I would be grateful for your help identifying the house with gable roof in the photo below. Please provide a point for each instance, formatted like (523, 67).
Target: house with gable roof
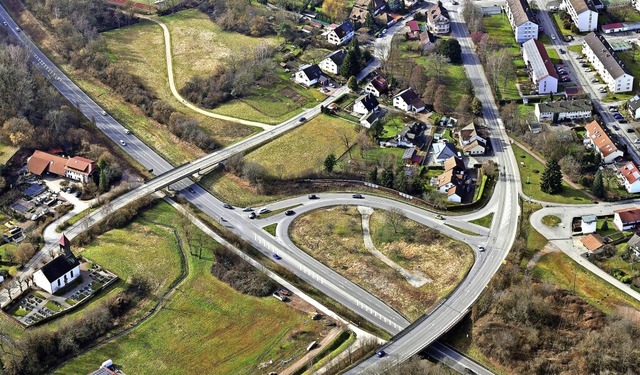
(308, 75)
(365, 104)
(606, 62)
(377, 86)
(599, 139)
(633, 105)
(59, 272)
(76, 168)
(341, 34)
(408, 101)
(438, 19)
(540, 68)
(626, 219)
(471, 142)
(583, 14)
(630, 177)
(521, 20)
(332, 63)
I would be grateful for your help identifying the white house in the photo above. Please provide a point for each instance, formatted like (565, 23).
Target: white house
(377, 86)
(308, 75)
(605, 61)
(634, 105)
(365, 104)
(341, 34)
(599, 139)
(332, 63)
(583, 13)
(630, 176)
(521, 20)
(438, 19)
(408, 101)
(471, 142)
(589, 224)
(76, 168)
(578, 109)
(626, 219)
(59, 272)
(541, 69)
(443, 151)
(370, 118)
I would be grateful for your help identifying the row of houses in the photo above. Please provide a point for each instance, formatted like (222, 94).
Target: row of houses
(606, 62)
(438, 20)
(577, 109)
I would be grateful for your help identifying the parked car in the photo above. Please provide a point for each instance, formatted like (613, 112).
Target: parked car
(618, 116)
(630, 130)
(613, 108)
(602, 90)
(587, 70)
(622, 121)
(595, 80)
(562, 52)
(584, 65)
(615, 127)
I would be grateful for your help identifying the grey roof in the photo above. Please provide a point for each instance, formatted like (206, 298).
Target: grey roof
(589, 218)
(634, 241)
(369, 101)
(345, 28)
(408, 153)
(58, 267)
(581, 6)
(634, 103)
(538, 59)
(607, 56)
(337, 57)
(410, 97)
(521, 11)
(579, 105)
(312, 71)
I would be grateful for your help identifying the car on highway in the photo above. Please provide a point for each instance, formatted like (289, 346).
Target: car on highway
(313, 196)
(104, 113)
(615, 127)
(252, 215)
(247, 209)
(357, 196)
(289, 212)
(227, 205)
(276, 256)
(191, 190)
(17, 29)
(481, 248)
(4, 23)
(553, 37)
(264, 210)
(123, 142)
(439, 217)
(127, 131)
(381, 353)
(302, 119)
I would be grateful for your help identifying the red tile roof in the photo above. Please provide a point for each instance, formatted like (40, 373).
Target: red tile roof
(64, 241)
(592, 242)
(630, 172)
(41, 162)
(81, 165)
(413, 25)
(629, 215)
(600, 139)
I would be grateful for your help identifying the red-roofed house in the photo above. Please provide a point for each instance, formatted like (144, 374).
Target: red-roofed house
(599, 139)
(626, 219)
(630, 176)
(413, 30)
(76, 168)
(612, 28)
(541, 69)
(377, 86)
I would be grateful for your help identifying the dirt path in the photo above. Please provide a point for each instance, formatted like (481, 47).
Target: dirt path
(174, 91)
(548, 248)
(311, 354)
(544, 162)
(416, 279)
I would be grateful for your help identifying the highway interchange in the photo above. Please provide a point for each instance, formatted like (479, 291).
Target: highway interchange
(407, 342)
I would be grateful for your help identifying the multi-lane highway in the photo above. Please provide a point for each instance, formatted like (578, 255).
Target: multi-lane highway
(504, 204)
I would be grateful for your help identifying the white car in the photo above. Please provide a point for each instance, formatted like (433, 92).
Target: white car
(264, 210)
(104, 113)
(481, 248)
(553, 37)
(123, 142)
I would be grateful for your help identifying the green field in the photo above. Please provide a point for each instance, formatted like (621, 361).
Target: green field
(553, 55)
(6, 152)
(207, 325)
(560, 26)
(305, 148)
(484, 221)
(528, 167)
(631, 59)
(500, 31)
(198, 47)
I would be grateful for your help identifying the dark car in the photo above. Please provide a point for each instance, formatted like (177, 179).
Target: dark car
(302, 119)
(584, 65)
(617, 116)
(289, 212)
(381, 354)
(313, 196)
(276, 256)
(616, 127)
(191, 190)
(357, 196)
(622, 121)
(227, 205)
(252, 215)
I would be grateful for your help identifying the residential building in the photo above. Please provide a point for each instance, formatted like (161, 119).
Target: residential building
(365, 104)
(413, 156)
(308, 75)
(413, 135)
(412, 30)
(564, 110)
(442, 151)
(626, 219)
(634, 246)
(607, 63)
(76, 168)
(521, 20)
(59, 272)
(408, 101)
(630, 177)
(471, 142)
(453, 180)
(332, 63)
(633, 105)
(370, 118)
(427, 40)
(588, 224)
(583, 13)
(438, 19)
(592, 242)
(599, 139)
(364, 8)
(341, 34)
(377, 86)
(541, 69)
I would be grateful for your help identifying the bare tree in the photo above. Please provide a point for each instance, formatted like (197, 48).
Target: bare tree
(345, 137)
(364, 141)
(395, 218)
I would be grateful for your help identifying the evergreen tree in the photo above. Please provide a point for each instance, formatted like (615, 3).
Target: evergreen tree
(368, 21)
(352, 83)
(330, 162)
(551, 182)
(476, 106)
(387, 178)
(351, 63)
(401, 182)
(373, 175)
(598, 185)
